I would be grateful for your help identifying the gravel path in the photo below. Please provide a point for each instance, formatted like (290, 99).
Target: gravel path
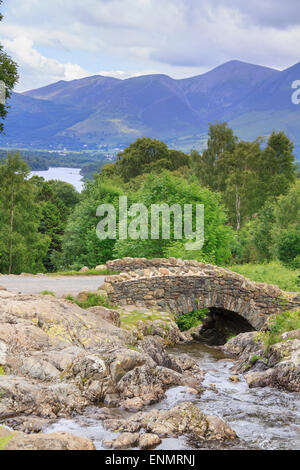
(60, 286)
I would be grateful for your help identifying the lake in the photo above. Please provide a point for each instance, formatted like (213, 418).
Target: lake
(69, 175)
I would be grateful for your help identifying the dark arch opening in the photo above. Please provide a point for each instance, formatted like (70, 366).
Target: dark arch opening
(220, 325)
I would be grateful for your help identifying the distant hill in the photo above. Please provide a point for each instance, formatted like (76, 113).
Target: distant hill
(98, 110)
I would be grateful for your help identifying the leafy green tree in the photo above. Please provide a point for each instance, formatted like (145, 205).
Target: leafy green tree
(52, 226)
(273, 233)
(277, 167)
(221, 140)
(286, 229)
(254, 243)
(288, 246)
(287, 209)
(22, 247)
(246, 175)
(81, 245)
(169, 189)
(65, 197)
(8, 75)
(57, 200)
(145, 156)
(240, 175)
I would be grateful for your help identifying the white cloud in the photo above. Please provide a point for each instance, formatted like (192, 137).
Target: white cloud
(40, 67)
(122, 74)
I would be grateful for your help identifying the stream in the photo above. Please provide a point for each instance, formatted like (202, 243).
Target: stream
(264, 419)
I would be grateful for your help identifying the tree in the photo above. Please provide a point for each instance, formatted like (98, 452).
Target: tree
(274, 232)
(277, 166)
(65, 196)
(169, 189)
(145, 156)
(81, 246)
(246, 175)
(286, 230)
(288, 246)
(22, 247)
(57, 200)
(8, 75)
(240, 176)
(52, 226)
(221, 140)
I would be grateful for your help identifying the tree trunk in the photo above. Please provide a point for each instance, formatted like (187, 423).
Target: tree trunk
(238, 210)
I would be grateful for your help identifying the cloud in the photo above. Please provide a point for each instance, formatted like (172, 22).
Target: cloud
(122, 74)
(177, 37)
(40, 67)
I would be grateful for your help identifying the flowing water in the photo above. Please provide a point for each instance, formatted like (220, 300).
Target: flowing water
(266, 419)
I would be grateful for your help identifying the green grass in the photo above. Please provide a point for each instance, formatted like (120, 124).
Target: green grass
(47, 292)
(272, 273)
(254, 359)
(94, 300)
(4, 441)
(283, 323)
(191, 320)
(2, 370)
(91, 272)
(136, 316)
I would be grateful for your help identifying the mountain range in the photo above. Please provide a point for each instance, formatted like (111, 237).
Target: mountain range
(102, 111)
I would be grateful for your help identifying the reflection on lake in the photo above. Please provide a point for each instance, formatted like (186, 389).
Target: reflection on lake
(69, 175)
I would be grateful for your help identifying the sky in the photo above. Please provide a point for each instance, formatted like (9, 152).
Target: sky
(70, 39)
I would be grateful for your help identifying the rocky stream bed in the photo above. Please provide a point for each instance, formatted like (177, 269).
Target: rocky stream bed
(119, 379)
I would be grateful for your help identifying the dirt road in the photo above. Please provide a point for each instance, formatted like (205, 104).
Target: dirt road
(60, 286)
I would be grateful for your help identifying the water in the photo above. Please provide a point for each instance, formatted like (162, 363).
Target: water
(264, 419)
(68, 175)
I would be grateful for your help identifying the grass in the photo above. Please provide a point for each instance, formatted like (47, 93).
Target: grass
(191, 320)
(91, 272)
(4, 441)
(136, 316)
(272, 273)
(2, 370)
(283, 323)
(93, 300)
(254, 359)
(47, 292)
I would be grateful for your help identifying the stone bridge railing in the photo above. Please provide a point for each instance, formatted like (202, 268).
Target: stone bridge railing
(183, 286)
(137, 264)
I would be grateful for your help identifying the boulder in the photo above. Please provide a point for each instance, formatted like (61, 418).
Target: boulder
(149, 441)
(126, 441)
(82, 297)
(185, 419)
(102, 267)
(277, 366)
(85, 269)
(111, 316)
(49, 442)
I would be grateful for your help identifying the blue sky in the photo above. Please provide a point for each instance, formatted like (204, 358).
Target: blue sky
(68, 39)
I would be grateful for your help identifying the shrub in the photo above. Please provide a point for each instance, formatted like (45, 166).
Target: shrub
(288, 246)
(93, 300)
(46, 292)
(191, 320)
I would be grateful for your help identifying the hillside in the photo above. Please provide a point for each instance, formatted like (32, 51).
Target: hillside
(100, 110)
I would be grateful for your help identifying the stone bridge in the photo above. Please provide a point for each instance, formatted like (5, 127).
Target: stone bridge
(184, 286)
